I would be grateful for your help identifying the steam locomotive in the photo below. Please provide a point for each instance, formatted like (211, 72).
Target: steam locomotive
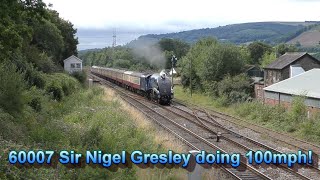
(157, 87)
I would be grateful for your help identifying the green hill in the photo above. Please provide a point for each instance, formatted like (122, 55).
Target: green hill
(270, 32)
(310, 38)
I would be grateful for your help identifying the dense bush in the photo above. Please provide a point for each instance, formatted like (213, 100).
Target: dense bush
(231, 90)
(34, 78)
(298, 110)
(35, 104)
(59, 85)
(294, 120)
(81, 76)
(55, 90)
(12, 89)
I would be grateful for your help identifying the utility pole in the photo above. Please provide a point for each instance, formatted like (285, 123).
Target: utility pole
(114, 43)
(114, 38)
(173, 59)
(190, 73)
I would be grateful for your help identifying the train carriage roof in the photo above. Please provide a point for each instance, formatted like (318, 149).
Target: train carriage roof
(114, 70)
(132, 73)
(136, 74)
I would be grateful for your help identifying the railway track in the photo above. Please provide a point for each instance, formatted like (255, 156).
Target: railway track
(246, 143)
(192, 139)
(200, 142)
(281, 137)
(278, 139)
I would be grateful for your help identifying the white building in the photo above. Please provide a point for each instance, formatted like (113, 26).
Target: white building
(72, 64)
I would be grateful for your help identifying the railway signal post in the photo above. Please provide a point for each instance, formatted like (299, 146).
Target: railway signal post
(173, 61)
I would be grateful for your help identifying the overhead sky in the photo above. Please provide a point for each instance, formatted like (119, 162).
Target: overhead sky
(132, 18)
(175, 15)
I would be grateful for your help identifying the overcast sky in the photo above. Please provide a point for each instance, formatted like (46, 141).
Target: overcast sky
(176, 15)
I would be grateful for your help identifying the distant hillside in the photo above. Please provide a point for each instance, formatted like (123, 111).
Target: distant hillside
(310, 38)
(270, 32)
(82, 52)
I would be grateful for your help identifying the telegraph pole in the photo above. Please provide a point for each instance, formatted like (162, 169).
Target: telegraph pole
(190, 73)
(173, 59)
(114, 42)
(114, 38)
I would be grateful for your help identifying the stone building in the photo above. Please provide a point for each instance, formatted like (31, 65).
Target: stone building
(283, 67)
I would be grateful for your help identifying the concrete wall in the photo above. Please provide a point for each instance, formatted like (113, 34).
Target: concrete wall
(72, 62)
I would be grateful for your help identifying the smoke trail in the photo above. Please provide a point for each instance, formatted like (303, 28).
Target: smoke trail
(150, 51)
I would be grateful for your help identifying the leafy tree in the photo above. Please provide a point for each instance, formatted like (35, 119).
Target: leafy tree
(12, 33)
(268, 58)
(168, 55)
(47, 37)
(121, 63)
(119, 57)
(283, 48)
(211, 61)
(257, 50)
(245, 54)
(68, 33)
(39, 59)
(173, 47)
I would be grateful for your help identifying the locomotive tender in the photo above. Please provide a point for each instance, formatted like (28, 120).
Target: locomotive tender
(157, 87)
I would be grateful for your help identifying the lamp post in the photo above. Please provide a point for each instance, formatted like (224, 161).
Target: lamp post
(173, 59)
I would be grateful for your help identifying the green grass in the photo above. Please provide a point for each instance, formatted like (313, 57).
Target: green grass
(81, 121)
(293, 121)
(197, 98)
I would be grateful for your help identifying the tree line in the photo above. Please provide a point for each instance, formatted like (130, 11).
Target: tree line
(209, 66)
(34, 41)
(219, 69)
(140, 57)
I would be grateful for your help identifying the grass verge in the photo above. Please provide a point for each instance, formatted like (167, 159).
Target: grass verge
(89, 119)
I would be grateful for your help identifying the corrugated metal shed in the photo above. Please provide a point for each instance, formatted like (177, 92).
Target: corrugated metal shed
(307, 84)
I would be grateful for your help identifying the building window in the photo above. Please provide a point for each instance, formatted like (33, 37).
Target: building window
(72, 65)
(78, 65)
